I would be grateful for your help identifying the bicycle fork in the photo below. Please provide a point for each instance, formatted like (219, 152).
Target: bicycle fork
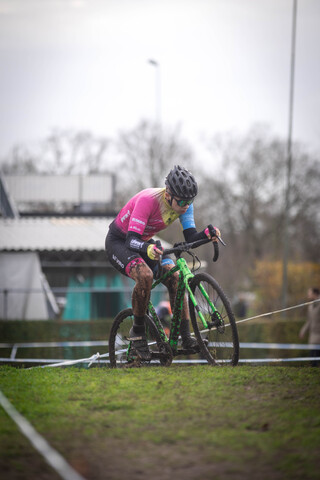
(216, 319)
(215, 315)
(184, 285)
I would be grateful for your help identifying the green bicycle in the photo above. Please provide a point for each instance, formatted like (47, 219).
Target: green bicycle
(211, 316)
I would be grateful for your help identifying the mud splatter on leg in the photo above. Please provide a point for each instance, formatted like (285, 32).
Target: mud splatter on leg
(172, 285)
(143, 277)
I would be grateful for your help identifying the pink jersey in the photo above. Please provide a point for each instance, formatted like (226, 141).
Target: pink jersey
(147, 213)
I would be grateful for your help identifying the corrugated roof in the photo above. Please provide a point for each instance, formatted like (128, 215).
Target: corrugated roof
(53, 233)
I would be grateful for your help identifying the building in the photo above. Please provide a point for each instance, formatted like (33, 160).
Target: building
(52, 257)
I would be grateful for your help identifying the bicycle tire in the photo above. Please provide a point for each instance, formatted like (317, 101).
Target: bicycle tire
(221, 345)
(119, 354)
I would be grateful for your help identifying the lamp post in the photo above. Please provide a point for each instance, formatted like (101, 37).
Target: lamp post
(155, 64)
(289, 164)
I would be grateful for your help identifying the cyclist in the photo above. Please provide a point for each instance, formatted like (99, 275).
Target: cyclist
(132, 250)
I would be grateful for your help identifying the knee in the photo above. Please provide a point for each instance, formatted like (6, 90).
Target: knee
(147, 279)
(143, 277)
(172, 281)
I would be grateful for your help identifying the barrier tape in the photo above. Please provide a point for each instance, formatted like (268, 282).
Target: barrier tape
(83, 343)
(269, 313)
(52, 457)
(89, 360)
(278, 311)
(97, 356)
(190, 361)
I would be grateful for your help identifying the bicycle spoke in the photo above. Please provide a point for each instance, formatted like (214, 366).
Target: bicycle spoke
(221, 344)
(120, 352)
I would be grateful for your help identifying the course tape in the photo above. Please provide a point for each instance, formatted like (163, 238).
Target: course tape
(190, 361)
(278, 311)
(82, 343)
(97, 356)
(52, 457)
(89, 360)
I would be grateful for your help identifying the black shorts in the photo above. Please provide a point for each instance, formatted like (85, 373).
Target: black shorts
(123, 259)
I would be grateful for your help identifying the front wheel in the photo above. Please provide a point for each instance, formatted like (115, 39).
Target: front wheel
(120, 353)
(219, 344)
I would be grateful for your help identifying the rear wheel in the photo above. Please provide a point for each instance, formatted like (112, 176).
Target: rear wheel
(120, 352)
(221, 345)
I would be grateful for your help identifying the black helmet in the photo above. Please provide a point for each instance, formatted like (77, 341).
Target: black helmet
(181, 183)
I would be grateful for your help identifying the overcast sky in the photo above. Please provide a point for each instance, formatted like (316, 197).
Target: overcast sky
(223, 65)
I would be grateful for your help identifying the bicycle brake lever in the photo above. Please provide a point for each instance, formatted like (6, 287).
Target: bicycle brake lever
(221, 241)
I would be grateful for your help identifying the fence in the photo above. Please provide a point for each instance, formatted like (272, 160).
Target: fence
(97, 357)
(100, 358)
(83, 299)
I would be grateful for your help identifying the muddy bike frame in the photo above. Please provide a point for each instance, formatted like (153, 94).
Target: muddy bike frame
(185, 275)
(217, 341)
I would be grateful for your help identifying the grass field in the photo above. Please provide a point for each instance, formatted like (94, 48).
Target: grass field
(182, 422)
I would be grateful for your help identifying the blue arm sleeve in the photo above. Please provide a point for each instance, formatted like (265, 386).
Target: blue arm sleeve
(189, 226)
(187, 219)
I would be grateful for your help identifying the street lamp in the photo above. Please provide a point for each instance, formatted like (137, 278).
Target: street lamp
(289, 163)
(155, 64)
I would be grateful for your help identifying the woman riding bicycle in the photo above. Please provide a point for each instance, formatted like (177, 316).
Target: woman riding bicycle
(132, 250)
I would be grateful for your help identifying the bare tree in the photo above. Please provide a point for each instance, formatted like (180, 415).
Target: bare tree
(305, 212)
(75, 152)
(62, 152)
(19, 161)
(246, 199)
(147, 153)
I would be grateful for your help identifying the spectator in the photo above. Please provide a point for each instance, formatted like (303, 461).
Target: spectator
(312, 325)
(240, 307)
(163, 310)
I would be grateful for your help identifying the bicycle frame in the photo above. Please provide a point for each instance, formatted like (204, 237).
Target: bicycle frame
(185, 275)
(206, 301)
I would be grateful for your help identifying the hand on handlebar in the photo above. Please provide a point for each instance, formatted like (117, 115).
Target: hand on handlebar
(154, 251)
(213, 233)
